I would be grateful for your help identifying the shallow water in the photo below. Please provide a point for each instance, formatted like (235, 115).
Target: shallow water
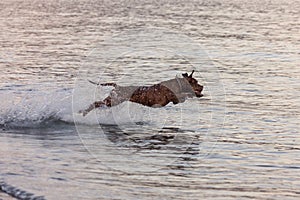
(240, 141)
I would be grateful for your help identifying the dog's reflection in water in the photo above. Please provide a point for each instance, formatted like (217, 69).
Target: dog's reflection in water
(167, 138)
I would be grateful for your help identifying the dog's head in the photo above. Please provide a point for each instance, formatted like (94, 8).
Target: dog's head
(194, 84)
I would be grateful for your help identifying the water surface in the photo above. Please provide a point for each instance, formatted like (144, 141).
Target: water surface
(240, 141)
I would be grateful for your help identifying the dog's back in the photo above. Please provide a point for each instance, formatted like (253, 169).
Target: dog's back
(154, 96)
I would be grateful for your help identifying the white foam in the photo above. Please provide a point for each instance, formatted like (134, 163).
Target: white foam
(34, 108)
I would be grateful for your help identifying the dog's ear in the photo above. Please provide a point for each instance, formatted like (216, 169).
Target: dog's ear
(185, 75)
(192, 74)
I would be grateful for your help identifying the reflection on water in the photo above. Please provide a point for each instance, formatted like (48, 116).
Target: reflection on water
(183, 151)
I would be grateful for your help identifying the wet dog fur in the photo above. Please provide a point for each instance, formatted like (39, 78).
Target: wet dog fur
(175, 90)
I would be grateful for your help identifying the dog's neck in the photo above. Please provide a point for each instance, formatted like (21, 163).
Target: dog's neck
(177, 85)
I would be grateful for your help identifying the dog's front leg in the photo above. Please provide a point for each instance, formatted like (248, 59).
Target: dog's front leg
(179, 98)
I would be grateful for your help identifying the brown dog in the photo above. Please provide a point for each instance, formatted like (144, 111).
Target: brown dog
(158, 95)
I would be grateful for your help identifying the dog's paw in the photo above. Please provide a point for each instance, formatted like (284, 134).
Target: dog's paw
(83, 112)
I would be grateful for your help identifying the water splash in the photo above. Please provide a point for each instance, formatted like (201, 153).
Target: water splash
(33, 108)
(39, 108)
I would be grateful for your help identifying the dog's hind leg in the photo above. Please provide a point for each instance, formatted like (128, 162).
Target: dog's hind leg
(97, 104)
(94, 105)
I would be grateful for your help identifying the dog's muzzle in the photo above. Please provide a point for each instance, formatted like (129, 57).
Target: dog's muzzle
(198, 93)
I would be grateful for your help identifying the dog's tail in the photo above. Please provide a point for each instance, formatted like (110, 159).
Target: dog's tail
(109, 84)
(103, 84)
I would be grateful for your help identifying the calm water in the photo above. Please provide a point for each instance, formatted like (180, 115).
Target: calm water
(240, 141)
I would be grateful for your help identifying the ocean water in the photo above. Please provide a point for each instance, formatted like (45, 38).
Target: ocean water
(239, 141)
